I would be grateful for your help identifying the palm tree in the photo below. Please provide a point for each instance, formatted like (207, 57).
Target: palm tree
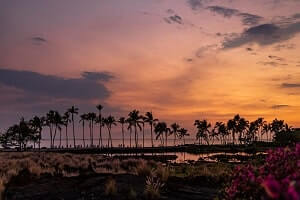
(243, 126)
(203, 130)
(122, 121)
(57, 122)
(73, 111)
(83, 118)
(59, 128)
(49, 122)
(92, 117)
(130, 124)
(232, 126)
(266, 129)
(135, 120)
(182, 133)
(221, 130)
(174, 130)
(109, 121)
(150, 120)
(161, 128)
(99, 121)
(143, 121)
(66, 120)
(260, 125)
(25, 133)
(37, 123)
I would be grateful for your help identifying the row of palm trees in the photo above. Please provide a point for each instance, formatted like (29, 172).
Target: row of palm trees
(246, 131)
(135, 122)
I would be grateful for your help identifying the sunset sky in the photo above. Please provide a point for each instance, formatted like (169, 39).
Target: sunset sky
(182, 59)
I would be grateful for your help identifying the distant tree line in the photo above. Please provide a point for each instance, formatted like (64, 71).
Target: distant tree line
(236, 130)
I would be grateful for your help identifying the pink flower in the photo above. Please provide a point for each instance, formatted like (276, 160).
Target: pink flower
(272, 187)
(292, 194)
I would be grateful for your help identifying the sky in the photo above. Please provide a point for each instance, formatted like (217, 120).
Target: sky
(181, 59)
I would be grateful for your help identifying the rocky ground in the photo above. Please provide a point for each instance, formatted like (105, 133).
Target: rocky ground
(93, 186)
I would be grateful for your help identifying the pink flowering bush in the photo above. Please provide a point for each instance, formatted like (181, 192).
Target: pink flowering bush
(277, 178)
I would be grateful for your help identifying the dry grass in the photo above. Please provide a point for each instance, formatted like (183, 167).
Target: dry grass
(162, 173)
(153, 188)
(11, 164)
(214, 170)
(143, 169)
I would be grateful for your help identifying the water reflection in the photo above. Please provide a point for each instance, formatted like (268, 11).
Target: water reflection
(183, 157)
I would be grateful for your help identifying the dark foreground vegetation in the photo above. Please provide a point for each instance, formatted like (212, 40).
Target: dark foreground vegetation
(73, 176)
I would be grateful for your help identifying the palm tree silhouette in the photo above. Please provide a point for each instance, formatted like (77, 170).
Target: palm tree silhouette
(182, 133)
(267, 129)
(49, 122)
(83, 118)
(37, 123)
(143, 121)
(260, 125)
(60, 128)
(99, 121)
(252, 132)
(151, 121)
(221, 130)
(232, 126)
(161, 128)
(122, 121)
(66, 120)
(135, 120)
(214, 133)
(25, 133)
(243, 126)
(73, 111)
(91, 117)
(109, 121)
(174, 130)
(57, 121)
(202, 130)
(130, 124)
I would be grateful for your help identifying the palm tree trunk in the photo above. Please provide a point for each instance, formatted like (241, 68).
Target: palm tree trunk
(73, 130)
(59, 138)
(100, 129)
(166, 139)
(54, 134)
(100, 132)
(174, 139)
(50, 127)
(143, 135)
(92, 132)
(67, 142)
(83, 134)
(108, 138)
(111, 144)
(135, 136)
(130, 138)
(40, 137)
(90, 126)
(151, 127)
(123, 135)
